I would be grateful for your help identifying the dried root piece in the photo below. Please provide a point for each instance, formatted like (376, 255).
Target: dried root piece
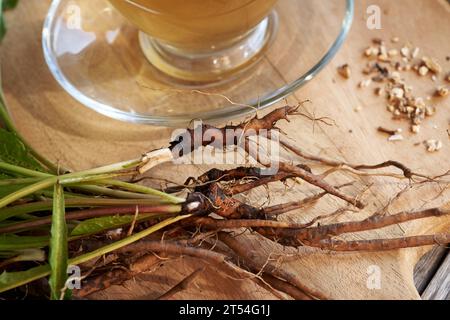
(344, 71)
(185, 142)
(383, 244)
(433, 145)
(181, 286)
(315, 235)
(432, 64)
(442, 91)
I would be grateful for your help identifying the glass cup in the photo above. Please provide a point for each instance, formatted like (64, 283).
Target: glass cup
(201, 41)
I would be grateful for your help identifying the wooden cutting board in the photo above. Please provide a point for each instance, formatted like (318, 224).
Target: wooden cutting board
(66, 132)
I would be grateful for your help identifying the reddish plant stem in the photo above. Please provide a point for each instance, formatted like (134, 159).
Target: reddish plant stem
(86, 214)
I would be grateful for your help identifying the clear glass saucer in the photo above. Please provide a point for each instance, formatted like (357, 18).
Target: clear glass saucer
(94, 54)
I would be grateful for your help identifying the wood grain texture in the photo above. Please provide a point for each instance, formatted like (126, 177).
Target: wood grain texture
(426, 267)
(79, 138)
(439, 286)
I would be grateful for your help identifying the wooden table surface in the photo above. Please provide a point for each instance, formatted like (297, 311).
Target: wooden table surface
(77, 137)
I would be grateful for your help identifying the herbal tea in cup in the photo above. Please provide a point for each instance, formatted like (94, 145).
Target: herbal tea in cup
(201, 40)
